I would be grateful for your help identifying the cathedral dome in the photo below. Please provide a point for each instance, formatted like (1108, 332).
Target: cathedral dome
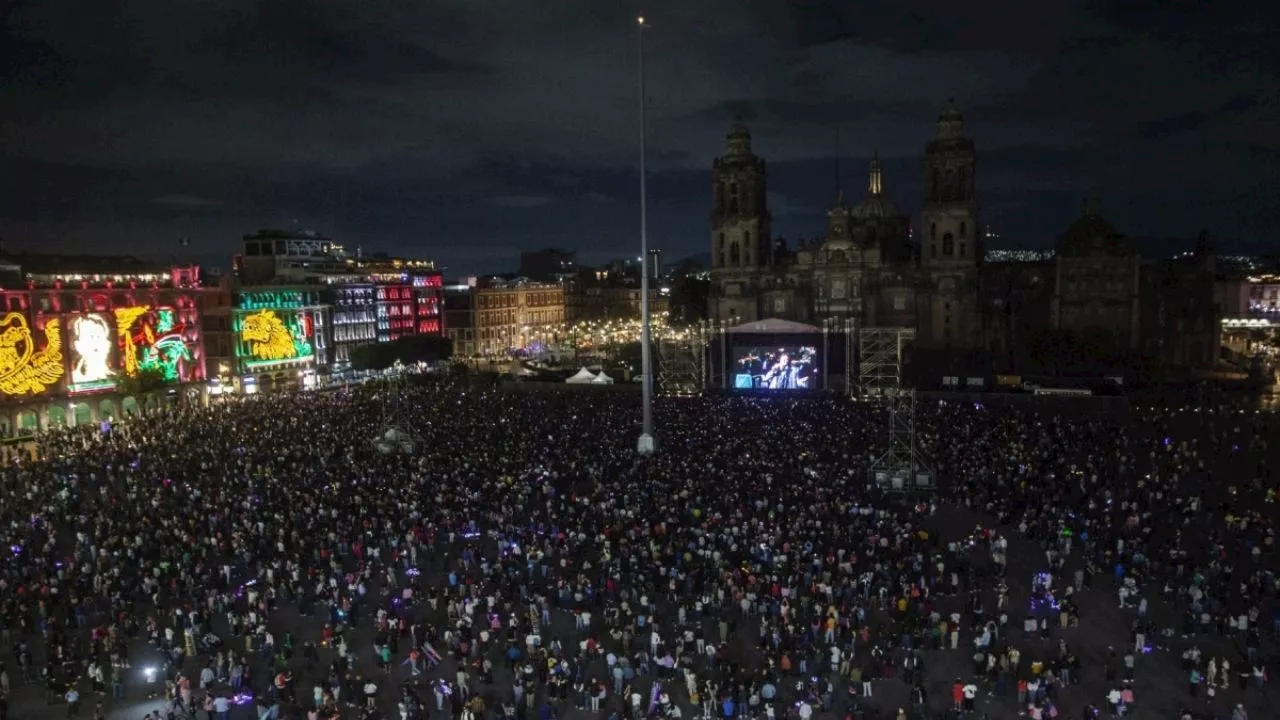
(1092, 235)
(875, 206)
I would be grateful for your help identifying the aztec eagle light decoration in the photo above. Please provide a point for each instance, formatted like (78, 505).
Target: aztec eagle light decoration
(23, 369)
(152, 339)
(270, 340)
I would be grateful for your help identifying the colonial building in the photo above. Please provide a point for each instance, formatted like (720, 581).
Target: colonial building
(873, 270)
(368, 297)
(516, 315)
(90, 338)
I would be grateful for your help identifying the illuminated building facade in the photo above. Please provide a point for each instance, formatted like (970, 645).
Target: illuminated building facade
(369, 297)
(282, 337)
(355, 319)
(82, 338)
(382, 307)
(514, 316)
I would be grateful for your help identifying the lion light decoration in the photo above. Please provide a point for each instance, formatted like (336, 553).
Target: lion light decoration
(268, 337)
(23, 370)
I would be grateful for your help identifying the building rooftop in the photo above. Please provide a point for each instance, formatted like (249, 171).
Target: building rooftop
(49, 264)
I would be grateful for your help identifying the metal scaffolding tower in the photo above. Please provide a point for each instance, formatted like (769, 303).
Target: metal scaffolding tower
(391, 438)
(682, 361)
(901, 468)
(880, 359)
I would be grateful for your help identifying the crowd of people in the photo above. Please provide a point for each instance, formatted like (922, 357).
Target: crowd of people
(514, 559)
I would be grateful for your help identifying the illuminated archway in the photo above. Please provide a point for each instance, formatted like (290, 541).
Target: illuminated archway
(107, 409)
(129, 406)
(28, 422)
(57, 417)
(81, 414)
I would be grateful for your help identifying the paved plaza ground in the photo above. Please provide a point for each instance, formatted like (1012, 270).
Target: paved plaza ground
(1160, 688)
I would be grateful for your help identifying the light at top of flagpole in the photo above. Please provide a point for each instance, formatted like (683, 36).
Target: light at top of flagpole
(640, 20)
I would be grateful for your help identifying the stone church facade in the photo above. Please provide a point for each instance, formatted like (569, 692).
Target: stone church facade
(872, 269)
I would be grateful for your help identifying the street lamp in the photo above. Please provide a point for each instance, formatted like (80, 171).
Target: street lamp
(645, 445)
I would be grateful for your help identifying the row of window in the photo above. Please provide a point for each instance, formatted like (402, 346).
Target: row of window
(510, 299)
(353, 333)
(97, 302)
(394, 310)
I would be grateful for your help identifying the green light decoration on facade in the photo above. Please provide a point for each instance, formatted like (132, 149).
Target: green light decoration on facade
(166, 357)
(277, 300)
(165, 320)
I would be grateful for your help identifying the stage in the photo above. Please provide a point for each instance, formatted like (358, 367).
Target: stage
(776, 357)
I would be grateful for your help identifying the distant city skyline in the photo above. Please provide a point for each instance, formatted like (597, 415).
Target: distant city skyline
(468, 132)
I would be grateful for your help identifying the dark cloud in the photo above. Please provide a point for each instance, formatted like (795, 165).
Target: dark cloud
(1176, 125)
(468, 130)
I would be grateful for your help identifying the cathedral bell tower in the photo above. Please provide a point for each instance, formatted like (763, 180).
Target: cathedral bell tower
(740, 216)
(951, 239)
(950, 235)
(741, 247)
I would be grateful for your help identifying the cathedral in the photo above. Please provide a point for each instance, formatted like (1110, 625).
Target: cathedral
(870, 268)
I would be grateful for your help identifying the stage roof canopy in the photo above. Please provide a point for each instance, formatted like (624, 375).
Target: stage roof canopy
(776, 326)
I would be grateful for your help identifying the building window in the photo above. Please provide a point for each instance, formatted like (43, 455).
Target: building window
(964, 227)
(948, 245)
(962, 248)
(933, 231)
(734, 255)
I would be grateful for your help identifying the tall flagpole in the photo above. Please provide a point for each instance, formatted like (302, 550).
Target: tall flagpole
(645, 445)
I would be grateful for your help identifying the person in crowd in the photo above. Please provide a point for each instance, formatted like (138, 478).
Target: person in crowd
(267, 554)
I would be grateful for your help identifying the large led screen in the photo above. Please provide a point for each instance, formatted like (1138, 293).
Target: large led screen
(92, 344)
(793, 367)
(153, 339)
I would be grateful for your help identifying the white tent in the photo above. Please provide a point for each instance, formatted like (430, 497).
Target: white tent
(602, 379)
(583, 376)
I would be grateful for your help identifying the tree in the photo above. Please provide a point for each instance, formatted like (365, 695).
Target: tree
(147, 380)
(407, 350)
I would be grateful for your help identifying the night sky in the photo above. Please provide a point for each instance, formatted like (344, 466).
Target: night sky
(468, 130)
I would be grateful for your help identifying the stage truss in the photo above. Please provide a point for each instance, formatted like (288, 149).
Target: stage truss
(901, 468)
(391, 438)
(682, 361)
(880, 359)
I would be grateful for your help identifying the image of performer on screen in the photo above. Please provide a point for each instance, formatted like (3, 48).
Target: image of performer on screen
(783, 368)
(781, 375)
